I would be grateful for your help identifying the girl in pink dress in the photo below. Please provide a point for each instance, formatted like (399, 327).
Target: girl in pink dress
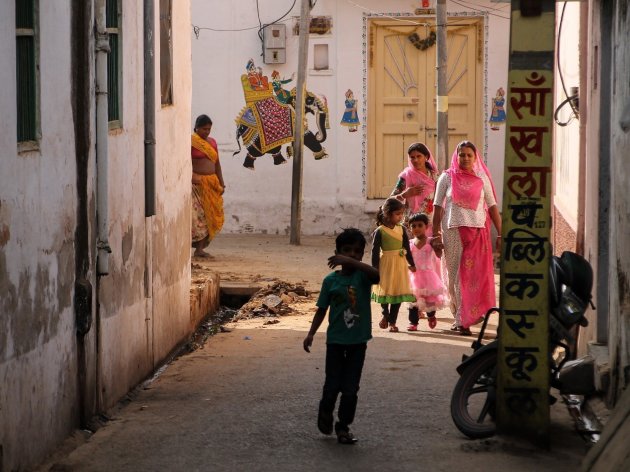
(426, 282)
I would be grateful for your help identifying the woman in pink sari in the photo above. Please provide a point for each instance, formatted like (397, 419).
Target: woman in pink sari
(416, 183)
(465, 203)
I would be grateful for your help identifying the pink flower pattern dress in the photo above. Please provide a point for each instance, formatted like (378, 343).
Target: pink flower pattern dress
(426, 282)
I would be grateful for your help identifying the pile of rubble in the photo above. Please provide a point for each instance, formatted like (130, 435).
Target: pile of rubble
(273, 301)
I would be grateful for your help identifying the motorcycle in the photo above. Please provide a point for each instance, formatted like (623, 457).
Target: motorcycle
(473, 402)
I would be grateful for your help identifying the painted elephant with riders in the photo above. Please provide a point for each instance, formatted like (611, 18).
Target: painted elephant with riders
(266, 123)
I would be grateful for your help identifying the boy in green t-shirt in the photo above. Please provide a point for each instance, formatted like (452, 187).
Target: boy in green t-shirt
(347, 293)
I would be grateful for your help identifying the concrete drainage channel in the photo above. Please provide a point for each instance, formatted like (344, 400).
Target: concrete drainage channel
(235, 295)
(236, 301)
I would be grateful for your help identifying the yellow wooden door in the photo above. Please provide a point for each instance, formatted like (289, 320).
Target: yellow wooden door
(402, 90)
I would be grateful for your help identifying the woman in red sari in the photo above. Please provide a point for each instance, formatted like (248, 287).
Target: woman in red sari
(465, 204)
(207, 186)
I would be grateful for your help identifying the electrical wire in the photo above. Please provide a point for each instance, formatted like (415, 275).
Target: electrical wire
(566, 93)
(479, 10)
(569, 100)
(197, 29)
(260, 29)
(486, 8)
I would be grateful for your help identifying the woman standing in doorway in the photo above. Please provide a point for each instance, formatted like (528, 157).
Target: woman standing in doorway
(465, 203)
(207, 187)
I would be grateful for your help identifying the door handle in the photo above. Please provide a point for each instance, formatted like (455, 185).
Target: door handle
(435, 129)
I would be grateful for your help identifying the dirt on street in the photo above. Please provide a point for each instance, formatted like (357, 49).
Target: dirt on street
(247, 398)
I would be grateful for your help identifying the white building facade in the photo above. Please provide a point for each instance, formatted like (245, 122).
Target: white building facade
(385, 54)
(94, 244)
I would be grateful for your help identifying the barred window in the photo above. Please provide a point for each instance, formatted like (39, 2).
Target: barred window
(166, 52)
(27, 64)
(114, 72)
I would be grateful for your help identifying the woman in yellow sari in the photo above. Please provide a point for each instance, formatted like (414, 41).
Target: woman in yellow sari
(207, 187)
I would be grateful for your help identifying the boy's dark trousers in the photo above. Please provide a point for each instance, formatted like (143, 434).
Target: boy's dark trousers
(344, 364)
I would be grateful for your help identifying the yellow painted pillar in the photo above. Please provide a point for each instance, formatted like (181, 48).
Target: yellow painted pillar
(523, 362)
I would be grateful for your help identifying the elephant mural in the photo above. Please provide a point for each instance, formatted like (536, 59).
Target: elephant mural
(266, 123)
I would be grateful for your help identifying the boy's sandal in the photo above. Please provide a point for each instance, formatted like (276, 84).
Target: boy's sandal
(346, 437)
(455, 327)
(383, 323)
(393, 329)
(465, 331)
(412, 327)
(432, 322)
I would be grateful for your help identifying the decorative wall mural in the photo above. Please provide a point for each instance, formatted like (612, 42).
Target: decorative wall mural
(350, 117)
(268, 118)
(282, 94)
(497, 117)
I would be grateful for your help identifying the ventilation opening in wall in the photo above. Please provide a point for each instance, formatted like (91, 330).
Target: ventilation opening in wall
(320, 57)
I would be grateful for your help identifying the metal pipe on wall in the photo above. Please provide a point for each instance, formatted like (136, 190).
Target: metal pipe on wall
(442, 86)
(149, 166)
(102, 132)
(149, 107)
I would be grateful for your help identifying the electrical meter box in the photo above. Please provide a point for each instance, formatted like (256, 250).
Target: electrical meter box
(274, 44)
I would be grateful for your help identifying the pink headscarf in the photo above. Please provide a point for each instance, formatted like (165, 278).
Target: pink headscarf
(467, 186)
(414, 177)
(475, 274)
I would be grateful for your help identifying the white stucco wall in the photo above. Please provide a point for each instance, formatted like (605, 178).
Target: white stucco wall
(37, 223)
(144, 300)
(566, 144)
(170, 228)
(143, 318)
(333, 188)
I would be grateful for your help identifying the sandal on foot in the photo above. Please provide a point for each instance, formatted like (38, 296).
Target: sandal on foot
(455, 327)
(465, 331)
(432, 322)
(346, 437)
(412, 327)
(383, 323)
(393, 329)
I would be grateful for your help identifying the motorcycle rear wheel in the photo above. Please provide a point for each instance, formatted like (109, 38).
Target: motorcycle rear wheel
(473, 403)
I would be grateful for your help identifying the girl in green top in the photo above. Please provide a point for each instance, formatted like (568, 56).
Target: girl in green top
(392, 257)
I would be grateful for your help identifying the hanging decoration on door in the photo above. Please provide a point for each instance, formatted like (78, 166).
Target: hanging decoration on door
(422, 44)
(497, 117)
(350, 117)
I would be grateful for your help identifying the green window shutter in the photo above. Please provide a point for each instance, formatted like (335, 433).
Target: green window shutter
(26, 95)
(24, 14)
(26, 73)
(112, 23)
(112, 79)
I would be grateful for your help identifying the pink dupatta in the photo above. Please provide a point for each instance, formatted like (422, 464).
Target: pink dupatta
(476, 269)
(413, 177)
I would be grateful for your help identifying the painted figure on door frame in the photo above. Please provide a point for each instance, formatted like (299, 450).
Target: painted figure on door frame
(497, 117)
(350, 117)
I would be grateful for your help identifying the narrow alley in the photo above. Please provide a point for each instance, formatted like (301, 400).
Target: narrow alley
(247, 399)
